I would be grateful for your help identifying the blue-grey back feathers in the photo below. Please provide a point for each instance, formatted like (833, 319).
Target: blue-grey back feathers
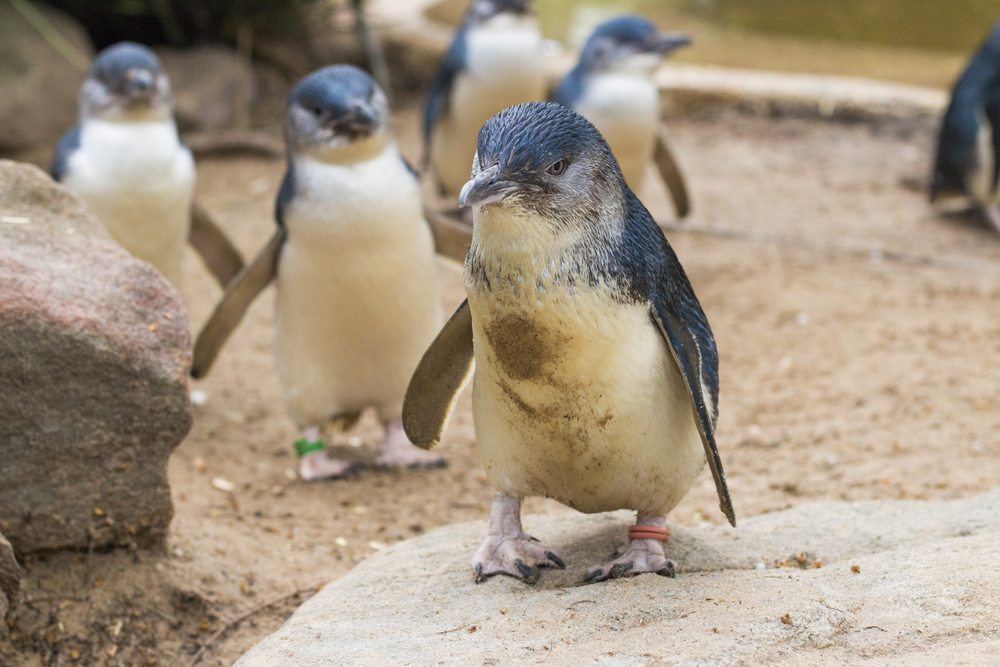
(68, 145)
(976, 93)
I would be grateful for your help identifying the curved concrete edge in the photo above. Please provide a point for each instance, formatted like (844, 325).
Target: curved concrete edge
(420, 43)
(924, 580)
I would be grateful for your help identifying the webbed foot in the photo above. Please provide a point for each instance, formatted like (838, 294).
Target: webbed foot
(315, 463)
(639, 556)
(508, 550)
(396, 451)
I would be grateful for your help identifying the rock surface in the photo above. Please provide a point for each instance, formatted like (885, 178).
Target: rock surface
(10, 579)
(925, 593)
(94, 354)
(211, 85)
(38, 85)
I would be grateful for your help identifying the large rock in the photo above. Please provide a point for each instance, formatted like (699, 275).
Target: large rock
(38, 84)
(211, 85)
(94, 356)
(925, 593)
(10, 579)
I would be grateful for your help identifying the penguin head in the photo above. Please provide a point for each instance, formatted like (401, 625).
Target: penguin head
(126, 83)
(498, 12)
(629, 43)
(335, 108)
(542, 160)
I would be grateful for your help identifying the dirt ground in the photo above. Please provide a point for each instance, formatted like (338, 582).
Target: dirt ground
(845, 375)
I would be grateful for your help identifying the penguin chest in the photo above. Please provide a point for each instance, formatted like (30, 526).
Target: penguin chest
(625, 108)
(357, 288)
(138, 180)
(503, 68)
(580, 400)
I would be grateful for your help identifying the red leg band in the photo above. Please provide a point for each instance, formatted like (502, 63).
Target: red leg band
(643, 532)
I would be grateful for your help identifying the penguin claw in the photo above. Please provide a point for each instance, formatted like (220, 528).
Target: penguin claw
(638, 557)
(514, 557)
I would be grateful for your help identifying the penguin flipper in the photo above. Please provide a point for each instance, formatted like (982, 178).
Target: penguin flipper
(670, 172)
(215, 248)
(684, 346)
(240, 293)
(443, 372)
(68, 145)
(452, 235)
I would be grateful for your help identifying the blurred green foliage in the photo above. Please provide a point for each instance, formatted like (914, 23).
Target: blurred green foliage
(952, 25)
(186, 22)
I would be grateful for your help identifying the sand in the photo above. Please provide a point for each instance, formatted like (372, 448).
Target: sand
(845, 375)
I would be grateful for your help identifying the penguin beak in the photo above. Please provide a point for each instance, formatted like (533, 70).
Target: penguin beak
(139, 82)
(487, 189)
(361, 119)
(668, 41)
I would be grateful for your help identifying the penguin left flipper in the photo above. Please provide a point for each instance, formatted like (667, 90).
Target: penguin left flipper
(240, 293)
(687, 352)
(442, 373)
(670, 172)
(215, 248)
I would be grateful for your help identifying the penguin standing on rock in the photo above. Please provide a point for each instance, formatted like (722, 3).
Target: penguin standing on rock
(494, 62)
(612, 86)
(353, 258)
(968, 152)
(596, 373)
(125, 161)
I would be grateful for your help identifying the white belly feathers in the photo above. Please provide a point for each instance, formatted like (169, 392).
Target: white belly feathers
(357, 288)
(576, 397)
(625, 108)
(138, 180)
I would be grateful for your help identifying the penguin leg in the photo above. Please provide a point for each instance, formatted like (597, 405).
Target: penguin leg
(318, 465)
(638, 556)
(396, 450)
(508, 549)
(992, 213)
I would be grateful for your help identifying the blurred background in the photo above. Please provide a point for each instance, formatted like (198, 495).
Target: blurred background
(231, 62)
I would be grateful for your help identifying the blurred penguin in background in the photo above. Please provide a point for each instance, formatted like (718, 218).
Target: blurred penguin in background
(353, 258)
(494, 62)
(125, 160)
(969, 141)
(612, 86)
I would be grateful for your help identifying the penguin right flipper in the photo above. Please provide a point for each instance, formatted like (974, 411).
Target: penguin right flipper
(670, 172)
(437, 99)
(240, 293)
(68, 145)
(452, 235)
(686, 348)
(443, 372)
(215, 248)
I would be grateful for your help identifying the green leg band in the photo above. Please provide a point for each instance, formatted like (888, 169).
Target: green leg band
(303, 446)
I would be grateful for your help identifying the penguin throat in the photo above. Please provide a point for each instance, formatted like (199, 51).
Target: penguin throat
(359, 150)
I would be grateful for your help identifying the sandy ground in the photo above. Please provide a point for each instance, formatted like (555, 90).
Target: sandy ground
(843, 376)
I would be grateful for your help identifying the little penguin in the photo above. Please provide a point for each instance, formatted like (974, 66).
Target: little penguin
(968, 151)
(353, 259)
(612, 86)
(125, 160)
(494, 61)
(594, 369)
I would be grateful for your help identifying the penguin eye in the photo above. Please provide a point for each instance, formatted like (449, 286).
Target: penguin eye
(558, 167)
(316, 111)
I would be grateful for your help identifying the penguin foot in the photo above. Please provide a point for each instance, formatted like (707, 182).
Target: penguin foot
(639, 556)
(396, 451)
(318, 465)
(517, 557)
(509, 550)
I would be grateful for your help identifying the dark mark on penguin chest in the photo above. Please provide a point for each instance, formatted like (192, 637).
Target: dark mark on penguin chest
(522, 347)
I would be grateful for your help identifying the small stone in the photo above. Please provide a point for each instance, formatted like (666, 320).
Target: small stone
(340, 542)
(760, 566)
(856, 569)
(223, 484)
(377, 546)
(787, 619)
(199, 397)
